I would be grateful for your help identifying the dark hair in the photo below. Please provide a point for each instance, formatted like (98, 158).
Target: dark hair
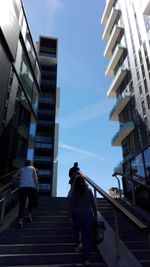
(80, 185)
(75, 164)
(28, 162)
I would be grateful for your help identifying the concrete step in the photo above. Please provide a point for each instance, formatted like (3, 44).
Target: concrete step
(38, 248)
(45, 258)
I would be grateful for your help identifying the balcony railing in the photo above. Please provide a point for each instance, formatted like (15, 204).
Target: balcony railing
(119, 50)
(45, 172)
(124, 131)
(120, 75)
(107, 10)
(43, 146)
(43, 159)
(44, 139)
(110, 23)
(117, 30)
(46, 100)
(119, 106)
(45, 123)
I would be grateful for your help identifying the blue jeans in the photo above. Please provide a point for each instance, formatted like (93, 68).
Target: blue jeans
(83, 221)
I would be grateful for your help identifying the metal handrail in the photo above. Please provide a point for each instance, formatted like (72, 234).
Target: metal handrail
(133, 180)
(3, 203)
(3, 188)
(7, 174)
(117, 207)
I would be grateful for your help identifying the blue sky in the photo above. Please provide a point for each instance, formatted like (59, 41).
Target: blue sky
(85, 130)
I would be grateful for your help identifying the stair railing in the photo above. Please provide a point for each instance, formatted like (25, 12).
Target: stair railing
(7, 191)
(133, 181)
(117, 207)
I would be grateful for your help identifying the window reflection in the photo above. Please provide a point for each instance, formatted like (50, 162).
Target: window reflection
(147, 163)
(137, 167)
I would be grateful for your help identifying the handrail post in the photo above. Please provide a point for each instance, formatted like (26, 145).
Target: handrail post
(95, 197)
(117, 240)
(119, 186)
(133, 194)
(2, 212)
(149, 240)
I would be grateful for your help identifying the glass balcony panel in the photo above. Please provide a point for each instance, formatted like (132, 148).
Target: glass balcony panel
(47, 60)
(43, 146)
(120, 75)
(43, 159)
(107, 10)
(45, 172)
(119, 106)
(44, 139)
(114, 60)
(46, 100)
(117, 30)
(110, 23)
(125, 130)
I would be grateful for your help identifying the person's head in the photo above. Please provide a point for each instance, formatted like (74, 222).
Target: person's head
(80, 185)
(28, 162)
(75, 164)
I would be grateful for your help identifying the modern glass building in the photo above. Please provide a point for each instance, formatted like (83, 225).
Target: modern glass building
(127, 37)
(19, 85)
(46, 143)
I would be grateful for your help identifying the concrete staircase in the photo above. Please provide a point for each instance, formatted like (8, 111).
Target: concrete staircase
(47, 241)
(135, 241)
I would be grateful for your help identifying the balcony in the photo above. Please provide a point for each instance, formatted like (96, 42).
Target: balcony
(117, 30)
(110, 23)
(44, 139)
(46, 100)
(107, 10)
(44, 146)
(47, 59)
(120, 104)
(22, 130)
(114, 60)
(119, 167)
(120, 75)
(45, 172)
(42, 159)
(44, 123)
(124, 131)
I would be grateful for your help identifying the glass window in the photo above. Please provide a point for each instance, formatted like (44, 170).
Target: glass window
(147, 163)
(137, 167)
(26, 76)
(145, 85)
(35, 99)
(148, 101)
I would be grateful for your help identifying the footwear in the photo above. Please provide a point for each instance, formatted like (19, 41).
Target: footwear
(20, 223)
(78, 248)
(29, 219)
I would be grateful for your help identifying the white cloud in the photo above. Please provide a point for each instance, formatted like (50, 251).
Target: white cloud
(83, 152)
(85, 114)
(55, 5)
(54, 8)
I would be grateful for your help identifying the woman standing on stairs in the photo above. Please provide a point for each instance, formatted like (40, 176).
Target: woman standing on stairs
(82, 212)
(28, 187)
